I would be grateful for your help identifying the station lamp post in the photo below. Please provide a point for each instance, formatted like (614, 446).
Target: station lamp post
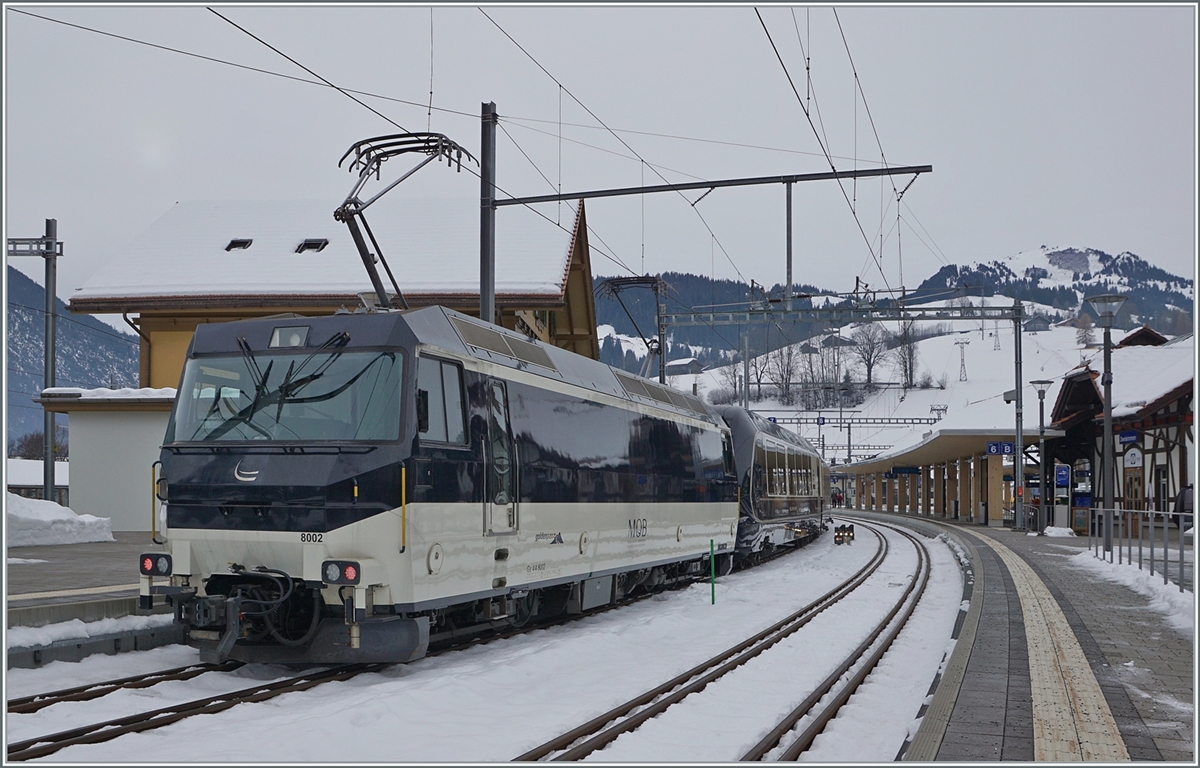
(1106, 306)
(1041, 385)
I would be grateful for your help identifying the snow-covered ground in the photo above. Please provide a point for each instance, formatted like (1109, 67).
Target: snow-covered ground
(493, 702)
(33, 522)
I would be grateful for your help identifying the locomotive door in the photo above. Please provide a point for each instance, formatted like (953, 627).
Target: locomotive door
(500, 500)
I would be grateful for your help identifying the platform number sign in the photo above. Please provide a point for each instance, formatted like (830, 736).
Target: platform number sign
(820, 420)
(1001, 448)
(771, 419)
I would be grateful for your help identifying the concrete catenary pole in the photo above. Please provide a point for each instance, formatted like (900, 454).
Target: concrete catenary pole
(487, 213)
(1019, 453)
(50, 254)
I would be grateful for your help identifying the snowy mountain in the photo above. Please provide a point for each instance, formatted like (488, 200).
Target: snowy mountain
(1063, 277)
(89, 353)
(1050, 281)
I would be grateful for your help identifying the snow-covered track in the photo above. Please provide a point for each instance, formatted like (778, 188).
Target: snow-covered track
(27, 704)
(98, 732)
(602, 730)
(796, 732)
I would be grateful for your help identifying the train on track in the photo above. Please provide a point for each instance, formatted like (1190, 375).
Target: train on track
(345, 488)
(342, 488)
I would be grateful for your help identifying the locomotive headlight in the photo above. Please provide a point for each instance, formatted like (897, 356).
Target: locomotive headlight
(155, 564)
(340, 572)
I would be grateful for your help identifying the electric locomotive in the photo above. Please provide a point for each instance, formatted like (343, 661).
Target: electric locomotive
(783, 485)
(345, 488)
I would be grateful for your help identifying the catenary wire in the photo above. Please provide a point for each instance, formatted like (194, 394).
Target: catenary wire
(822, 145)
(605, 125)
(59, 316)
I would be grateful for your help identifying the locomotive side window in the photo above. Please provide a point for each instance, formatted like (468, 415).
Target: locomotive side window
(439, 401)
(499, 446)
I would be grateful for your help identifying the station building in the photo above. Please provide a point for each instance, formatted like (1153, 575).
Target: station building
(219, 261)
(952, 471)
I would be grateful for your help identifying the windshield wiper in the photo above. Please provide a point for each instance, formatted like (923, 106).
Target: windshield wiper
(280, 395)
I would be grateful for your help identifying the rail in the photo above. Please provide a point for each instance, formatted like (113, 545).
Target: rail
(1145, 527)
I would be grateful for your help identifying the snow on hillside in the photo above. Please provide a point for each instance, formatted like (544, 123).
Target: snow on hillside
(35, 523)
(978, 402)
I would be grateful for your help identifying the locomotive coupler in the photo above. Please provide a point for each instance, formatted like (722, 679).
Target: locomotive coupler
(356, 611)
(233, 630)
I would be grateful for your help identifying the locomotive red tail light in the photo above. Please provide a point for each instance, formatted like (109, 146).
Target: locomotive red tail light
(340, 572)
(155, 564)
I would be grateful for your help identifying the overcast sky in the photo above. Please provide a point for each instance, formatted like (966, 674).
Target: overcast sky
(1060, 126)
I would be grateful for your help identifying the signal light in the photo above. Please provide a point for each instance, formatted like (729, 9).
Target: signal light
(155, 564)
(340, 572)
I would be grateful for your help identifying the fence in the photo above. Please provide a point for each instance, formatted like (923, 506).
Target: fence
(1146, 527)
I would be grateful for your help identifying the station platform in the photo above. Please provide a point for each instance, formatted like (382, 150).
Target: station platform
(1052, 664)
(88, 582)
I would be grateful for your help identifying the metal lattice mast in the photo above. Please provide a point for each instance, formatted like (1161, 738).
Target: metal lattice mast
(962, 358)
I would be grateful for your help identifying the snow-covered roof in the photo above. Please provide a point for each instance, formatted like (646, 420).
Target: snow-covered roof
(1142, 375)
(104, 394)
(431, 244)
(28, 473)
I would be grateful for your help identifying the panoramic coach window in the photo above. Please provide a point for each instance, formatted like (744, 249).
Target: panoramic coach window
(439, 401)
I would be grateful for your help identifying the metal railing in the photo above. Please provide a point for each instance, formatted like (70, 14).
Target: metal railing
(1152, 532)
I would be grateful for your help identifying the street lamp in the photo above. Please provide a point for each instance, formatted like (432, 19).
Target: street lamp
(1041, 385)
(1106, 306)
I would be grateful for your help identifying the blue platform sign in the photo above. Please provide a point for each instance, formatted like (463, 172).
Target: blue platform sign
(821, 420)
(1062, 476)
(1000, 448)
(906, 471)
(1128, 436)
(771, 419)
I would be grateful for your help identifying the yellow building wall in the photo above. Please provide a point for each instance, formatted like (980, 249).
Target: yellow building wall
(168, 351)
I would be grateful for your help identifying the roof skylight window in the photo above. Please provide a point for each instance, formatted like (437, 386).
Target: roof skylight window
(312, 244)
(239, 244)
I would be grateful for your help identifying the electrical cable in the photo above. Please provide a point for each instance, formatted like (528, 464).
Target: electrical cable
(80, 323)
(215, 60)
(605, 125)
(822, 144)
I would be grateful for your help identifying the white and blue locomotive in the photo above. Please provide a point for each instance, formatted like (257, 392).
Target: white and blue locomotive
(345, 488)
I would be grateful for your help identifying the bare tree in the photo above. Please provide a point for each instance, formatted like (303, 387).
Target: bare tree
(904, 355)
(870, 346)
(731, 377)
(782, 365)
(1084, 335)
(31, 445)
(758, 373)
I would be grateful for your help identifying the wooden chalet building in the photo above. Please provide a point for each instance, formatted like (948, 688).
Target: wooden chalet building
(1154, 442)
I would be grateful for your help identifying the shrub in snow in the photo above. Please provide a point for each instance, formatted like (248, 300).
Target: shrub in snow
(34, 523)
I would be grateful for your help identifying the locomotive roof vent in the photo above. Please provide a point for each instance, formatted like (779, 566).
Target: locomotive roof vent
(652, 391)
(502, 344)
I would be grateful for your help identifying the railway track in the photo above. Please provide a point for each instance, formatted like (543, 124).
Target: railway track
(27, 704)
(144, 721)
(41, 746)
(604, 729)
(793, 735)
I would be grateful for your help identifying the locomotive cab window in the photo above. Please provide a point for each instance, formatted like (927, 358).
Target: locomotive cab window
(288, 397)
(440, 401)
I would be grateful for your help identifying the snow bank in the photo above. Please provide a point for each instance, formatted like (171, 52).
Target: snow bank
(1060, 532)
(35, 523)
(1178, 608)
(32, 637)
